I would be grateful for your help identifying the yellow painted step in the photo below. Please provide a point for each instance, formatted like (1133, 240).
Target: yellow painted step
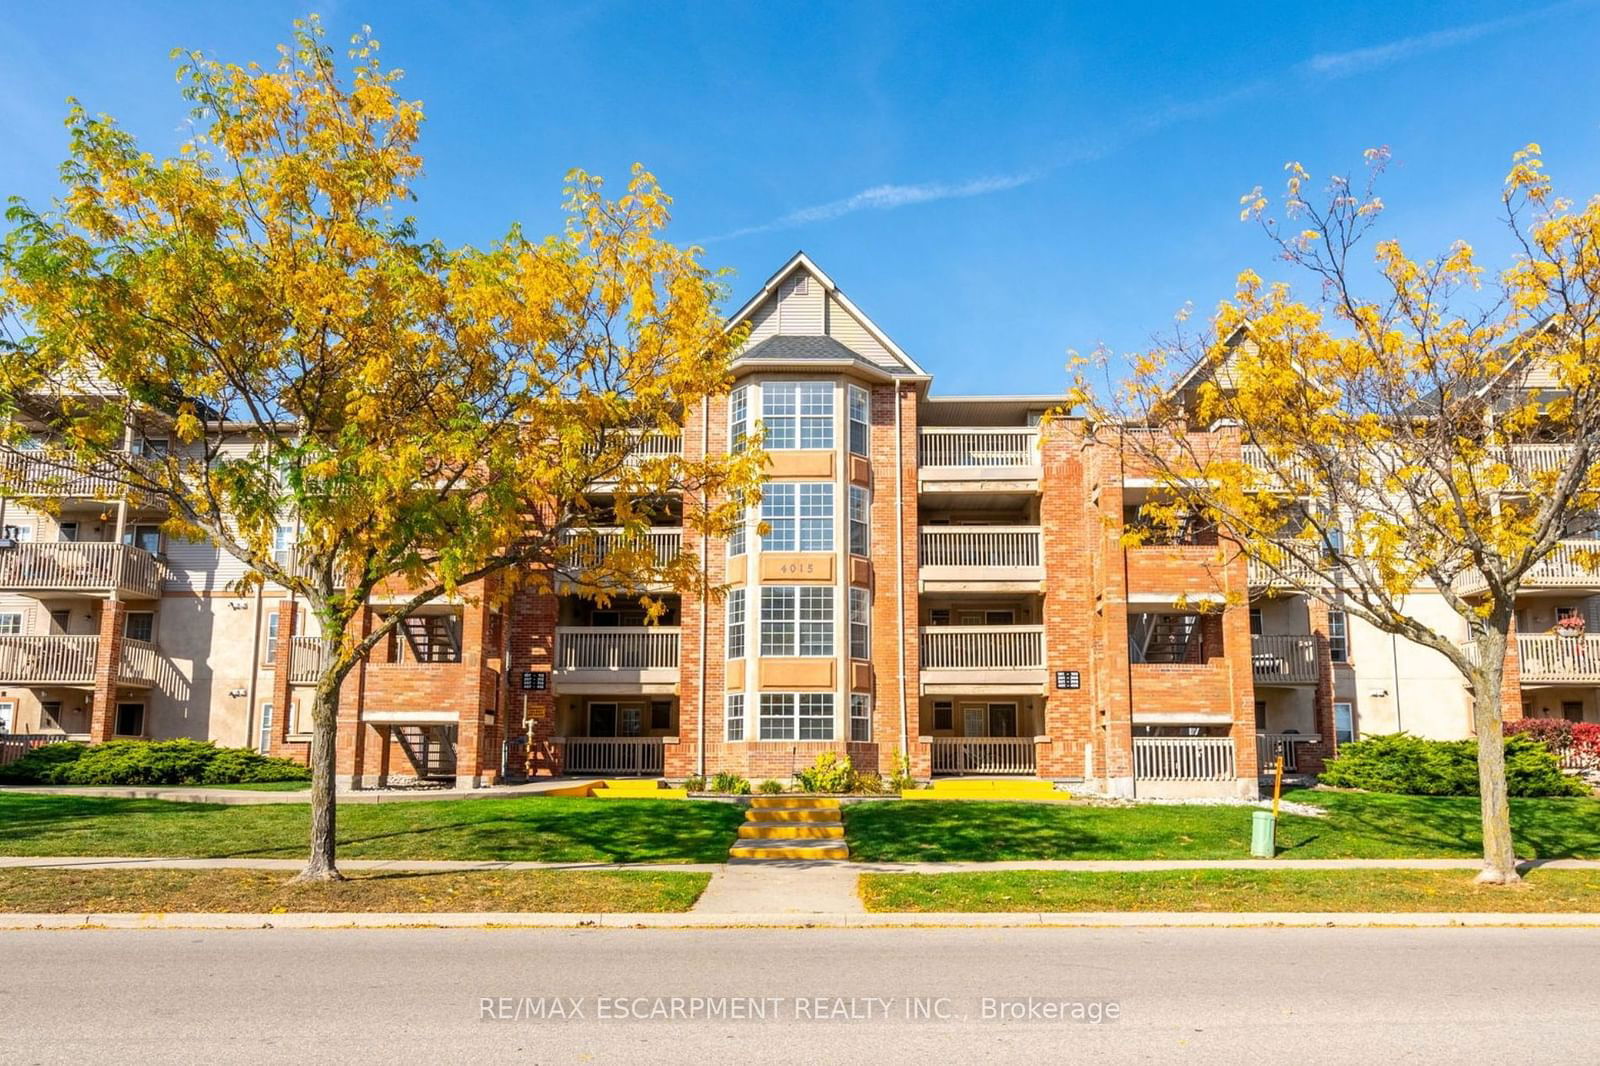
(635, 794)
(992, 784)
(819, 803)
(792, 814)
(1027, 795)
(790, 831)
(791, 849)
(621, 784)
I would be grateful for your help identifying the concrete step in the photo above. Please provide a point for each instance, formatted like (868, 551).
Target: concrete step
(791, 831)
(640, 793)
(790, 849)
(810, 803)
(988, 789)
(791, 814)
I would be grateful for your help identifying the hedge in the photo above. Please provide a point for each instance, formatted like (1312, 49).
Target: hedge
(145, 762)
(1401, 763)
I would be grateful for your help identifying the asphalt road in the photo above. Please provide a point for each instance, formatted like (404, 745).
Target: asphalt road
(1190, 995)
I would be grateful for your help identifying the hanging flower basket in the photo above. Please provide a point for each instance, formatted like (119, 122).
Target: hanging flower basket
(1570, 626)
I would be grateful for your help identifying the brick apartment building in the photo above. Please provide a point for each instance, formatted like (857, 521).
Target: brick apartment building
(938, 579)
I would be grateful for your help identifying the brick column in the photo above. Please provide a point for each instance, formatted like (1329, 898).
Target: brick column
(1113, 694)
(1312, 757)
(282, 663)
(531, 614)
(1069, 536)
(1241, 670)
(895, 620)
(473, 734)
(351, 742)
(1511, 679)
(107, 667)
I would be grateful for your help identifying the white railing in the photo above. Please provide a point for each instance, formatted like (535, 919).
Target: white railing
(617, 648)
(994, 546)
(653, 444)
(1288, 659)
(1272, 473)
(614, 755)
(80, 566)
(590, 547)
(52, 659)
(308, 658)
(1556, 658)
(983, 755)
(982, 647)
(1574, 562)
(1540, 458)
(966, 447)
(1183, 758)
(140, 661)
(1270, 745)
(1286, 571)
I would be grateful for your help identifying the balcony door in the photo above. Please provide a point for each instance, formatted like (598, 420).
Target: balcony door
(602, 719)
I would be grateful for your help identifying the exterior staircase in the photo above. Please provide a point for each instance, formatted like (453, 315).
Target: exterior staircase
(791, 827)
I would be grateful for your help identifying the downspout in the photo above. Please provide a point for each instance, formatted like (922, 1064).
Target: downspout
(1394, 658)
(255, 669)
(1122, 550)
(705, 577)
(900, 567)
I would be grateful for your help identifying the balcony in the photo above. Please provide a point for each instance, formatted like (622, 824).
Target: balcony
(604, 659)
(986, 558)
(648, 444)
(983, 755)
(80, 568)
(1288, 573)
(37, 476)
(69, 661)
(1546, 660)
(959, 459)
(589, 548)
(1285, 659)
(308, 657)
(614, 756)
(982, 659)
(1574, 564)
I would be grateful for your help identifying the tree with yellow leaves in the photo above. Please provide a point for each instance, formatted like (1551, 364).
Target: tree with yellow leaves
(423, 416)
(1436, 438)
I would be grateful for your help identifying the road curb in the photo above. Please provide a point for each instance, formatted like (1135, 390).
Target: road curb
(1021, 920)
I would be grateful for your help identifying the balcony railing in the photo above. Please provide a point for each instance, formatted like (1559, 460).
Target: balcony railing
(1285, 659)
(35, 475)
(1183, 759)
(590, 548)
(616, 648)
(982, 647)
(1545, 659)
(1573, 564)
(63, 659)
(1270, 745)
(983, 755)
(1272, 472)
(1540, 458)
(1288, 572)
(978, 448)
(984, 546)
(308, 658)
(627, 756)
(93, 567)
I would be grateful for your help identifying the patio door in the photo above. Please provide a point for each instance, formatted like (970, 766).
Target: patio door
(974, 720)
(602, 719)
(1002, 719)
(631, 720)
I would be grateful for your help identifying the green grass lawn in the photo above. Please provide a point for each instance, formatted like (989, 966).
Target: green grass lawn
(1358, 825)
(259, 891)
(527, 828)
(1231, 890)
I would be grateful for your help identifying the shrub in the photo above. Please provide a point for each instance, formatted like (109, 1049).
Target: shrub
(829, 773)
(1576, 744)
(769, 787)
(1401, 763)
(868, 784)
(695, 784)
(143, 762)
(902, 781)
(732, 784)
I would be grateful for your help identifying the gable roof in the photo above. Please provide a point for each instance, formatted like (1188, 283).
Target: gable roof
(802, 262)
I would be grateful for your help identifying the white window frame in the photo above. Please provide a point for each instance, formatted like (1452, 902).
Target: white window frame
(270, 656)
(738, 629)
(1338, 636)
(793, 716)
(738, 535)
(733, 717)
(798, 621)
(264, 740)
(8, 716)
(860, 717)
(860, 623)
(738, 418)
(11, 623)
(283, 542)
(797, 415)
(1347, 735)
(858, 407)
(130, 616)
(798, 516)
(860, 520)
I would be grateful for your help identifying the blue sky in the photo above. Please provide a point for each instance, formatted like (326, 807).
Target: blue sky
(993, 184)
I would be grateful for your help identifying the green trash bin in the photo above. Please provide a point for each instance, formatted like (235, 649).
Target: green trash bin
(1263, 835)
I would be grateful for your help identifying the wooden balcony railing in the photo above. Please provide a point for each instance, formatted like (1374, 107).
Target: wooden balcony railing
(1286, 572)
(308, 657)
(80, 566)
(37, 476)
(591, 547)
(983, 755)
(1546, 658)
(963, 447)
(64, 659)
(1270, 745)
(616, 648)
(986, 546)
(1285, 659)
(626, 756)
(1183, 758)
(982, 647)
(1573, 564)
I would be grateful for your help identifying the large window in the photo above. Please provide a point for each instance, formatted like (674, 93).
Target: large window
(797, 414)
(736, 624)
(735, 716)
(796, 620)
(860, 626)
(1338, 637)
(798, 516)
(738, 418)
(736, 536)
(139, 625)
(1344, 723)
(860, 527)
(10, 623)
(859, 419)
(796, 716)
(860, 716)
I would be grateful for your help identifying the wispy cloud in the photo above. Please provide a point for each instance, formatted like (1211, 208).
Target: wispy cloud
(1342, 64)
(887, 198)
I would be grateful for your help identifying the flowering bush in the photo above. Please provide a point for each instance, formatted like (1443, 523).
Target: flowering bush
(1576, 744)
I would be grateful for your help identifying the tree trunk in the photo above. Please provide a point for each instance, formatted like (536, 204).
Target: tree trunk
(1499, 854)
(320, 863)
